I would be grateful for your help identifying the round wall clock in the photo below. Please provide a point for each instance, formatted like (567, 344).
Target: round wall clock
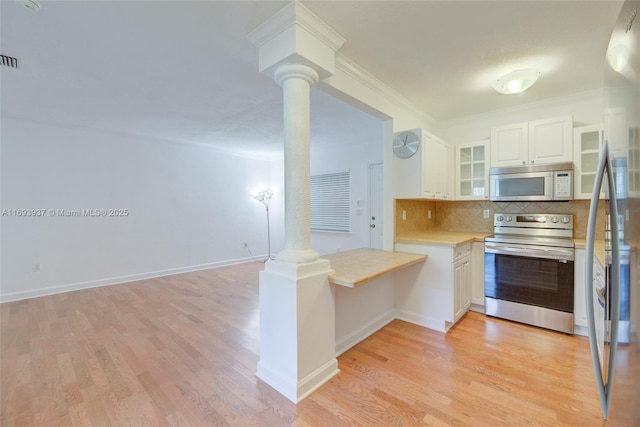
(405, 144)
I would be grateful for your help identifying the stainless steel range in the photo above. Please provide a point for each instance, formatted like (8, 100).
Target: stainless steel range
(529, 270)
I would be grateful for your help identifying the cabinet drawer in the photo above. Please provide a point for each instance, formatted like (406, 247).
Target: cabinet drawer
(461, 251)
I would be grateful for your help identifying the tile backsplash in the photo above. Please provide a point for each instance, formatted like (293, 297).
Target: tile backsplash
(468, 215)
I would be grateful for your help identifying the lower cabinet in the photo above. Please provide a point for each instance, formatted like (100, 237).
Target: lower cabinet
(461, 287)
(579, 293)
(436, 293)
(477, 276)
(581, 326)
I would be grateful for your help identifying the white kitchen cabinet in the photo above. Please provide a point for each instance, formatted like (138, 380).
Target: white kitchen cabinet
(477, 276)
(510, 145)
(615, 131)
(537, 142)
(599, 282)
(579, 293)
(461, 287)
(472, 171)
(436, 293)
(448, 173)
(428, 174)
(587, 141)
(439, 169)
(580, 321)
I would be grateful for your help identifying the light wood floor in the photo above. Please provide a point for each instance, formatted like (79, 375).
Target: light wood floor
(183, 350)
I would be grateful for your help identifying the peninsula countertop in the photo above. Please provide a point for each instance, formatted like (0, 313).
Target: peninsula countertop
(359, 266)
(445, 238)
(598, 249)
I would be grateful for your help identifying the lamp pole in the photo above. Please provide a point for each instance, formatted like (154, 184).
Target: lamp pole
(264, 197)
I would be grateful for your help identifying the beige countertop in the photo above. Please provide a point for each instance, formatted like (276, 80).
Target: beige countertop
(359, 266)
(446, 238)
(598, 249)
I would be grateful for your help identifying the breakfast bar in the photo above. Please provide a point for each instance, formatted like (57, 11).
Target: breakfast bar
(359, 266)
(363, 283)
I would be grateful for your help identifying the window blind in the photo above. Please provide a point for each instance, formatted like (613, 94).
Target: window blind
(330, 202)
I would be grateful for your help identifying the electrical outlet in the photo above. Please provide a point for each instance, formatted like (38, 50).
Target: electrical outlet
(404, 215)
(36, 268)
(485, 213)
(429, 214)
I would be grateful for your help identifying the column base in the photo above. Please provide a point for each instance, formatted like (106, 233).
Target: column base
(298, 256)
(297, 327)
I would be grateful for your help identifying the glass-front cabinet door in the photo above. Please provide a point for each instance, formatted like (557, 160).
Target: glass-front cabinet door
(587, 142)
(472, 171)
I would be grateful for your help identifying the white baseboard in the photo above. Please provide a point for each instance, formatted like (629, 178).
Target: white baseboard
(284, 386)
(294, 390)
(51, 290)
(478, 308)
(416, 319)
(355, 337)
(581, 330)
(315, 379)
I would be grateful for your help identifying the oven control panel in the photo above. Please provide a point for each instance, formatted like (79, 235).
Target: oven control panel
(547, 220)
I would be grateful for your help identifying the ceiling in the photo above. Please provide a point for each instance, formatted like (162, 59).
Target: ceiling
(185, 70)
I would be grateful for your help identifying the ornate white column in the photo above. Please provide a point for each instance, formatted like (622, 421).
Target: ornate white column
(296, 81)
(297, 303)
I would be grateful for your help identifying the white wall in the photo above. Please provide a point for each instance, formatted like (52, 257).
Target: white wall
(359, 88)
(355, 157)
(586, 109)
(189, 207)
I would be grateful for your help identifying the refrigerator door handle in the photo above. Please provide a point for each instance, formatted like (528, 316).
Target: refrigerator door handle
(604, 387)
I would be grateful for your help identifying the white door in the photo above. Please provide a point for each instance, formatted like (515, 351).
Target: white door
(375, 205)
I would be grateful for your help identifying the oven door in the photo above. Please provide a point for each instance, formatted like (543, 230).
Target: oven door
(532, 275)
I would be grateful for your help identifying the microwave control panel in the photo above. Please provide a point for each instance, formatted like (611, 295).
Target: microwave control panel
(563, 188)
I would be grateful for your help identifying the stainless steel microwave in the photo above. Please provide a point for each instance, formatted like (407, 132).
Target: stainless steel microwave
(553, 182)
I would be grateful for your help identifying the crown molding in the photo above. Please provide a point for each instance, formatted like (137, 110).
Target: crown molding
(374, 84)
(296, 14)
(561, 100)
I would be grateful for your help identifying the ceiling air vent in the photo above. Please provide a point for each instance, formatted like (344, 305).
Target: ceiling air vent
(9, 61)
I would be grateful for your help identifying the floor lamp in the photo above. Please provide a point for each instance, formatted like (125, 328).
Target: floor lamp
(264, 197)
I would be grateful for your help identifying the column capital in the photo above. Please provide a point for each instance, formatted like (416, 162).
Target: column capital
(298, 71)
(296, 35)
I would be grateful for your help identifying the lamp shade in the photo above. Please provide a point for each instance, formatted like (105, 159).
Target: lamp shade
(516, 81)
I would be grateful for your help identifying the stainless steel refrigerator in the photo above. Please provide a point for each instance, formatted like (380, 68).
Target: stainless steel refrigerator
(613, 304)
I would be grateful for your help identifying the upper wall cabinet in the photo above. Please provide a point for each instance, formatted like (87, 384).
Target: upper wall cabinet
(615, 131)
(587, 143)
(472, 171)
(624, 141)
(538, 142)
(426, 174)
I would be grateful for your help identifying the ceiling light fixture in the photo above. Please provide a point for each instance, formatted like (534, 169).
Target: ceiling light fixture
(618, 57)
(516, 81)
(32, 5)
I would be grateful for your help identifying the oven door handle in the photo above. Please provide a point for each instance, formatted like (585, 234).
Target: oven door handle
(538, 252)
